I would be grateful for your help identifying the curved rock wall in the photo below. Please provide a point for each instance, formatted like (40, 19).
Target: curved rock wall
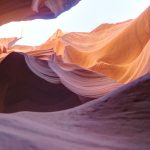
(16, 10)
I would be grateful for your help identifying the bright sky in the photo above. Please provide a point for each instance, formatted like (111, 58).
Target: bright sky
(84, 17)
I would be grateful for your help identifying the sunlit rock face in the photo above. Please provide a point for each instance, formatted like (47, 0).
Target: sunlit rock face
(108, 66)
(6, 43)
(119, 51)
(18, 10)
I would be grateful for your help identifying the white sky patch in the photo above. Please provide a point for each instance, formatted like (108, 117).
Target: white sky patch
(84, 17)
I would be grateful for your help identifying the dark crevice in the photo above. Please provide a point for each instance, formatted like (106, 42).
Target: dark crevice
(28, 92)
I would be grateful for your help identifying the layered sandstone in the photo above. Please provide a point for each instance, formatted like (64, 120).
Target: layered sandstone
(109, 66)
(18, 10)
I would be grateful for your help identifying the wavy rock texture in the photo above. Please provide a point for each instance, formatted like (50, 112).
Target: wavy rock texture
(119, 51)
(65, 72)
